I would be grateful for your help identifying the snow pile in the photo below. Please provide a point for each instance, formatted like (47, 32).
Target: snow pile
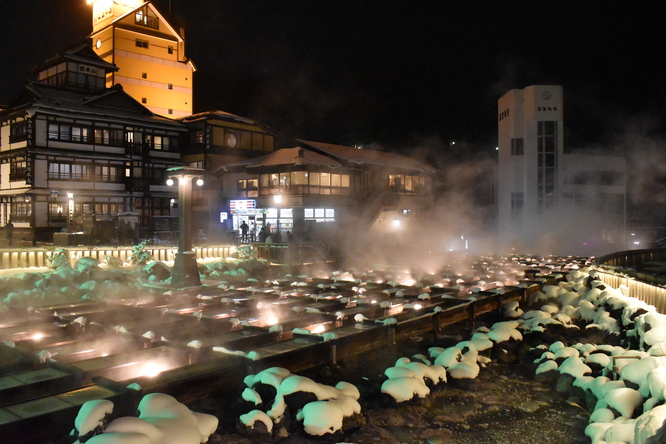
(622, 410)
(162, 420)
(274, 395)
(407, 379)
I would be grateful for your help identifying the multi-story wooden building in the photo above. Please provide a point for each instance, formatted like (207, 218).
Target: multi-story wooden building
(319, 187)
(76, 153)
(86, 145)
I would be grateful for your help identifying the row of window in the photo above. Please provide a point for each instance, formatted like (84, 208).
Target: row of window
(303, 182)
(110, 136)
(408, 184)
(73, 171)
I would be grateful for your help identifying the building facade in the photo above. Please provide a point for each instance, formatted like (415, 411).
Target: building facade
(548, 197)
(76, 155)
(86, 146)
(318, 190)
(148, 52)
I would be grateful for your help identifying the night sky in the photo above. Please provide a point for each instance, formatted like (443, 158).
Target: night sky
(404, 74)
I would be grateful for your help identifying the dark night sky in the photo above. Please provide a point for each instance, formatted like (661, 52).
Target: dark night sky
(401, 73)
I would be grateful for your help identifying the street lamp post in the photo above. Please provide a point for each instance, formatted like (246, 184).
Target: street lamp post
(185, 271)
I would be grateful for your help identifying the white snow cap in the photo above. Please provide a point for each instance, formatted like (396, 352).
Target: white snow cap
(91, 415)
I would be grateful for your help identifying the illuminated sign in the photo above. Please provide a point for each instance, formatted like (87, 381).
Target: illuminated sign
(223, 216)
(242, 205)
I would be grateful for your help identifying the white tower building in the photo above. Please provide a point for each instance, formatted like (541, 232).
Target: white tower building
(549, 200)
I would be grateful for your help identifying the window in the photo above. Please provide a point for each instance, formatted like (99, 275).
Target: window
(517, 147)
(21, 211)
(18, 170)
(146, 17)
(110, 174)
(169, 85)
(19, 131)
(57, 212)
(144, 75)
(110, 209)
(141, 43)
(546, 163)
(144, 100)
(407, 184)
(305, 182)
(247, 188)
(68, 133)
(102, 136)
(159, 142)
(169, 111)
(196, 136)
(170, 49)
(197, 164)
(320, 214)
(68, 171)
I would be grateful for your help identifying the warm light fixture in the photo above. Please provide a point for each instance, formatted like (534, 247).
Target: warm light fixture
(169, 182)
(277, 198)
(200, 182)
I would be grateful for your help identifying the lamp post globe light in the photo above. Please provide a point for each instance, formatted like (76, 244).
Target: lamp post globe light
(185, 271)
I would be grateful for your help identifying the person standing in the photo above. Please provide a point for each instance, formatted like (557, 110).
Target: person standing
(244, 227)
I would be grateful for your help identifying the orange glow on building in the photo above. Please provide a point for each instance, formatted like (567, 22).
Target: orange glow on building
(149, 54)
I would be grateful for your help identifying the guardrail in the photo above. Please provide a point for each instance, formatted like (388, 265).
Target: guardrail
(616, 270)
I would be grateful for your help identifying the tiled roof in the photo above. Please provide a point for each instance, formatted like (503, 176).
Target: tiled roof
(357, 156)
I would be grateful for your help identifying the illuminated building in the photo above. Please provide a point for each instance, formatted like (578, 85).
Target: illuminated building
(324, 187)
(148, 52)
(88, 141)
(67, 134)
(218, 138)
(550, 196)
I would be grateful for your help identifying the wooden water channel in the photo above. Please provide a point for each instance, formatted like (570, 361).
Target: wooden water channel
(206, 339)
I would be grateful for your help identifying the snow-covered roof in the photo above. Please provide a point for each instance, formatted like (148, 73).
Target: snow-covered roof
(357, 156)
(113, 105)
(290, 157)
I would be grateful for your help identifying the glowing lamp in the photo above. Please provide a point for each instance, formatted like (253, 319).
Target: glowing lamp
(277, 198)
(200, 182)
(185, 269)
(169, 182)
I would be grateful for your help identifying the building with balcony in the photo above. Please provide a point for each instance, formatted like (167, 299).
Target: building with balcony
(559, 200)
(75, 154)
(315, 189)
